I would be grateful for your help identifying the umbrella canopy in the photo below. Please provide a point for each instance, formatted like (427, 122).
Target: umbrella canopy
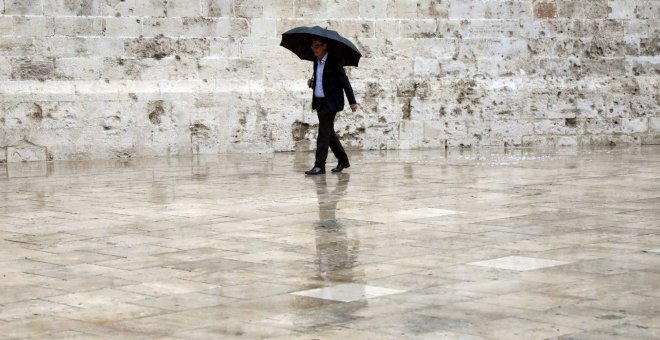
(299, 40)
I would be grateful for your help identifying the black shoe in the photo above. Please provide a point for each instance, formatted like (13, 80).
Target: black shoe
(341, 166)
(315, 171)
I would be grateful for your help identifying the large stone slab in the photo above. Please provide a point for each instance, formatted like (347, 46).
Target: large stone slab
(25, 151)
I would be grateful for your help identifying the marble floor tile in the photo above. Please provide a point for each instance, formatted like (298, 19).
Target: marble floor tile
(515, 328)
(31, 308)
(348, 292)
(16, 293)
(234, 329)
(186, 301)
(518, 263)
(527, 300)
(336, 333)
(459, 244)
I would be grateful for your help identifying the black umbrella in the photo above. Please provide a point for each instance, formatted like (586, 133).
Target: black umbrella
(299, 41)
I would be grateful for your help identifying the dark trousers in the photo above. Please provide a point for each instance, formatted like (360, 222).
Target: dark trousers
(327, 136)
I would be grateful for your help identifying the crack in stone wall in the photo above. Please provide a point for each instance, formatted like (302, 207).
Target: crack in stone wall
(120, 79)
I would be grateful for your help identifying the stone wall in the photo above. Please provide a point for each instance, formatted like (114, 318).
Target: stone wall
(83, 79)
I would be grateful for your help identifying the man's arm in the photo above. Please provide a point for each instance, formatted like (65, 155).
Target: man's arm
(346, 85)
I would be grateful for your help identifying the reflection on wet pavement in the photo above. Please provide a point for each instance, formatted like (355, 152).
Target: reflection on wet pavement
(455, 244)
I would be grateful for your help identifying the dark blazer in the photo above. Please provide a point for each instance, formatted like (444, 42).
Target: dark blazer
(335, 83)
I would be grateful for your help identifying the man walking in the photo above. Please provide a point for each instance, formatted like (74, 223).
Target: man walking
(329, 84)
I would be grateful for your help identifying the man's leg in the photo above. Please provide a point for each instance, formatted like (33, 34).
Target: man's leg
(336, 147)
(326, 118)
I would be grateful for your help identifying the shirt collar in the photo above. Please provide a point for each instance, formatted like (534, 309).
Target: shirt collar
(325, 57)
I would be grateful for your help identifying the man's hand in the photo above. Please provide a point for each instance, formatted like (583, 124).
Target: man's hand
(354, 107)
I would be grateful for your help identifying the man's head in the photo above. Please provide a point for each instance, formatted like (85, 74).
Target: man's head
(319, 46)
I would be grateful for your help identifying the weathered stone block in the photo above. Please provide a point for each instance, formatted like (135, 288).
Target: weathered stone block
(217, 8)
(604, 126)
(233, 28)
(643, 106)
(78, 68)
(637, 28)
(635, 125)
(182, 8)
(123, 27)
(489, 29)
(6, 25)
(5, 69)
(161, 47)
(34, 26)
(26, 151)
(383, 68)
(354, 29)
(489, 9)
(37, 91)
(404, 49)
(426, 67)
(647, 9)
(23, 7)
(509, 132)
(79, 26)
(248, 8)
(495, 67)
(373, 8)
(501, 48)
(654, 124)
(200, 27)
(552, 28)
(16, 47)
(651, 139)
(277, 9)
(545, 10)
(168, 27)
(99, 90)
(433, 9)
(567, 141)
(71, 7)
(33, 69)
(224, 48)
(583, 9)
(316, 9)
(65, 47)
(621, 9)
(426, 28)
(434, 131)
(411, 130)
(611, 140)
(650, 46)
(263, 28)
(605, 66)
(568, 126)
(402, 8)
(221, 68)
(344, 9)
(380, 136)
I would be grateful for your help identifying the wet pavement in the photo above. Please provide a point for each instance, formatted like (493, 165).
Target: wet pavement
(473, 244)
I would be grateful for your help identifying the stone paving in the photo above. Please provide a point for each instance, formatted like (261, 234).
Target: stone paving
(472, 244)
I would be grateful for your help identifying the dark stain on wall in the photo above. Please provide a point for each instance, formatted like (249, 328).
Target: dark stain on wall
(299, 130)
(199, 130)
(30, 69)
(37, 114)
(156, 111)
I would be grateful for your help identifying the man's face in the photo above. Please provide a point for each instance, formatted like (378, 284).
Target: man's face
(319, 48)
